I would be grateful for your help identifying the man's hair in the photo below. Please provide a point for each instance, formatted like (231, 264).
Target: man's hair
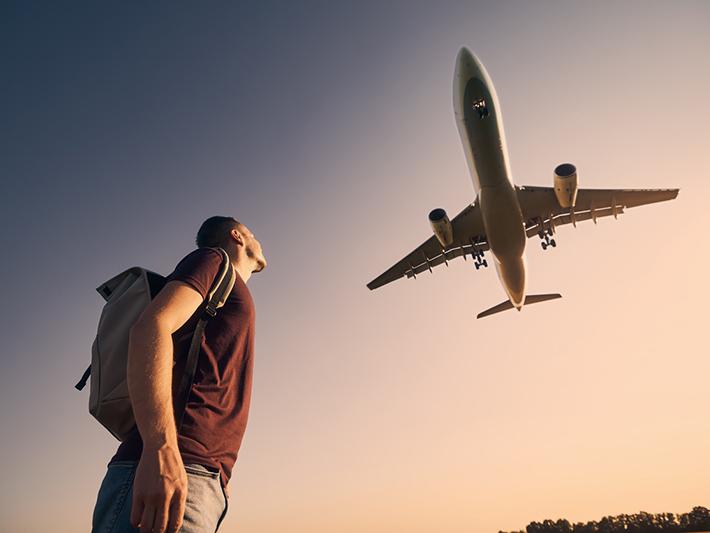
(215, 231)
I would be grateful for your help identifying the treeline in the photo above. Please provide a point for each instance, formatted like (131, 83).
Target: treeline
(696, 520)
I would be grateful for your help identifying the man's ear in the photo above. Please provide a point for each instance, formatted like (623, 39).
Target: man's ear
(237, 237)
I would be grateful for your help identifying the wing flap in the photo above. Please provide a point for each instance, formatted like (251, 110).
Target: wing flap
(469, 239)
(445, 257)
(541, 209)
(572, 218)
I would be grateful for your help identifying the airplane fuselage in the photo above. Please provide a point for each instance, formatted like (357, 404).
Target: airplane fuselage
(480, 126)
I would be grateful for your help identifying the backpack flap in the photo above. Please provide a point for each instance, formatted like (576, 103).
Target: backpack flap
(119, 283)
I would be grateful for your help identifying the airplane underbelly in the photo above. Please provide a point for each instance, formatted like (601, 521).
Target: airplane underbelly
(505, 232)
(513, 275)
(503, 221)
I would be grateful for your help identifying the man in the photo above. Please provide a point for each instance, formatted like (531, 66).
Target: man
(168, 479)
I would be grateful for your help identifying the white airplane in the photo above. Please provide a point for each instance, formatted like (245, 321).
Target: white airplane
(504, 215)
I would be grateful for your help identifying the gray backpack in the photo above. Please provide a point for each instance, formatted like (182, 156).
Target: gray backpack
(127, 295)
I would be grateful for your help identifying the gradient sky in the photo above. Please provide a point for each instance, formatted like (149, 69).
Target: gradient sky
(328, 129)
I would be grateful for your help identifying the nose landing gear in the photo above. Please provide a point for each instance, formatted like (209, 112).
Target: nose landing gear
(480, 107)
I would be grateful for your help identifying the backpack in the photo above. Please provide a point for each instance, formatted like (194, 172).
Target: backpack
(127, 295)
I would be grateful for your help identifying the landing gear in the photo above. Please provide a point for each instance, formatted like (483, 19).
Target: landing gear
(546, 238)
(478, 259)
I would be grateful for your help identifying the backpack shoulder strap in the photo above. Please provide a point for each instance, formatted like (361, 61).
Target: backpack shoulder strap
(216, 297)
(222, 285)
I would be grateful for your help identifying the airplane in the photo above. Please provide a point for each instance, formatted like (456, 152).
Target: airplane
(504, 215)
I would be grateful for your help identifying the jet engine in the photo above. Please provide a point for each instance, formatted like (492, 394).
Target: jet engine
(566, 184)
(441, 225)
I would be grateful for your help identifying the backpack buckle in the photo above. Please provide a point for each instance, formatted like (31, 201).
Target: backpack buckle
(211, 310)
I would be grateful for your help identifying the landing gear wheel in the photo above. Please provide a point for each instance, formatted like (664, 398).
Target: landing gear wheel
(544, 245)
(553, 243)
(485, 263)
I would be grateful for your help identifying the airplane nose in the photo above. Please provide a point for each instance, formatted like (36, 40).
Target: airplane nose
(468, 65)
(464, 54)
(465, 63)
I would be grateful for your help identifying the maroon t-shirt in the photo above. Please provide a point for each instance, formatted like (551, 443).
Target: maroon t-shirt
(218, 405)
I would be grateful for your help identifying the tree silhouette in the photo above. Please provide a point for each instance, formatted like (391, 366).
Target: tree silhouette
(696, 520)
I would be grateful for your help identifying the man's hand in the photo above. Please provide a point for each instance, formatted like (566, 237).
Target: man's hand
(159, 491)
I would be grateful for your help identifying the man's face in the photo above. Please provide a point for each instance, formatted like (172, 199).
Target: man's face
(253, 248)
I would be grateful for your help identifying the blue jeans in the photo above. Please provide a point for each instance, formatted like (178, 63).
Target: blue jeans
(205, 507)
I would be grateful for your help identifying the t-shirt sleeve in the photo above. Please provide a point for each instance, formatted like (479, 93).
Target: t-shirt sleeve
(198, 269)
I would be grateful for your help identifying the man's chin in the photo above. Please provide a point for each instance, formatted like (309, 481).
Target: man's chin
(260, 265)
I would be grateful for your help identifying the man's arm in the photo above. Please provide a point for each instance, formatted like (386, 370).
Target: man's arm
(160, 486)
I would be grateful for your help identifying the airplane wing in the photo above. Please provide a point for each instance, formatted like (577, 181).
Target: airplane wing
(469, 239)
(542, 211)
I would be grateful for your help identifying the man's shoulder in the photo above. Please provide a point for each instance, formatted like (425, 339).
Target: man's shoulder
(202, 255)
(198, 269)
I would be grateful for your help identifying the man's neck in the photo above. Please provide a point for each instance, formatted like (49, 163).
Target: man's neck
(243, 268)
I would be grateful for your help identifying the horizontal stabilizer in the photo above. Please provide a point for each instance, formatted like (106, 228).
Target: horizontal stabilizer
(531, 299)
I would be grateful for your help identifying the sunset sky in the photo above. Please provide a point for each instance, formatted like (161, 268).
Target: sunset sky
(328, 128)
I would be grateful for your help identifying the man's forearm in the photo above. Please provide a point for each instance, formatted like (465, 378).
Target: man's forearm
(150, 364)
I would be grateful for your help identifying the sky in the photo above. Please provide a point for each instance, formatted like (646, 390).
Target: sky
(328, 129)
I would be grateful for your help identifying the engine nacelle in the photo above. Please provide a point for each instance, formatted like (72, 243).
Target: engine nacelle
(566, 184)
(441, 225)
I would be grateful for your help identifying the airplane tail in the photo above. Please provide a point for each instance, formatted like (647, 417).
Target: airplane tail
(531, 299)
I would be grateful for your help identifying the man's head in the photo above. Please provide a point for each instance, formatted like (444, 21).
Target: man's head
(234, 237)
